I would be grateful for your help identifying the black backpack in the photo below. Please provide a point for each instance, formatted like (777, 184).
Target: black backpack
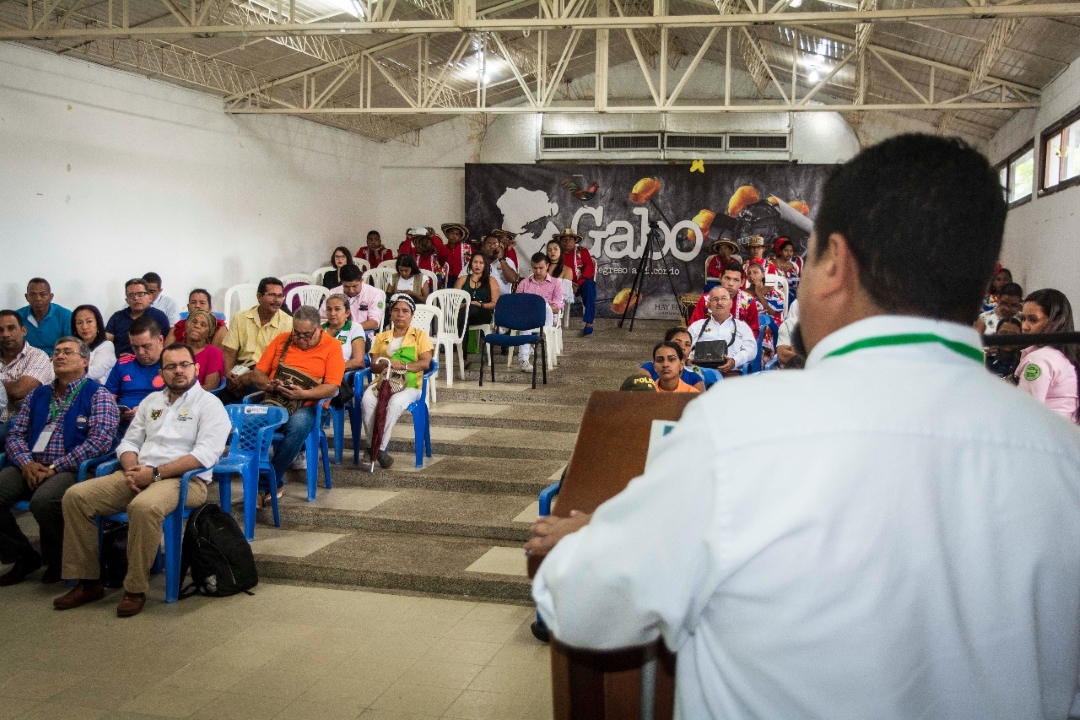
(218, 555)
(114, 562)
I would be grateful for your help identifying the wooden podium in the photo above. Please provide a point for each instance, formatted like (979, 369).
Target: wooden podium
(610, 451)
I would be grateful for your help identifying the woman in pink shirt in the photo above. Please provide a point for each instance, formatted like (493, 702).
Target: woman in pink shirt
(1047, 373)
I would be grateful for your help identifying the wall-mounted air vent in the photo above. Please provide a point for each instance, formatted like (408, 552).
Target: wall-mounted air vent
(555, 143)
(757, 142)
(643, 141)
(674, 141)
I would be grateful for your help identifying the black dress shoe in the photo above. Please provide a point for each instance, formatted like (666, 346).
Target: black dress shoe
(22, 568)
(385, 459)
(51, 575)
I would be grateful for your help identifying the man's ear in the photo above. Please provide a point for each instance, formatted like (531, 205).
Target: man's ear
(837, 270)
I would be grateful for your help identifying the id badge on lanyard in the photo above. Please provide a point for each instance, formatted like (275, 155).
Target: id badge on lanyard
(43, 438)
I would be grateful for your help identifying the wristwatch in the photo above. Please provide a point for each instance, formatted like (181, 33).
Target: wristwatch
(157, 475)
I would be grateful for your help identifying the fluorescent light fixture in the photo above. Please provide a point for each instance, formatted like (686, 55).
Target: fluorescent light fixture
(795, 3)
(814, 76)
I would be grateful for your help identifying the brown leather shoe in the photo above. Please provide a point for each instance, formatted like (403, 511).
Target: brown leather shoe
(131, 604)
(81, 594)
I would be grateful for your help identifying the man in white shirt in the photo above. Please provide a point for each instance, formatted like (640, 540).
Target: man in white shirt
(920, 557)
(164, 303)
(177, 429)
(719, 324)
(22, 368)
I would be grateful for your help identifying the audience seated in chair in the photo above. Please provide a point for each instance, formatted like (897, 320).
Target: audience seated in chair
(720, 255)
(296, 371)
(770, 301)
(137, 374)
(250, 332)
(503, 269)
(198, 299)
(88, 326)
(1002, 277)
(408, 280)
(721, 325)
(744, 305)
(483, 294)
(582, 271)
(138, 298)
(458, 251)
(558, 269)
(366, 302)
(338, 259)
(200, 324)
(1002, 361)
(374, 252)
(59, 426)
(540, 283)
(22, 368)
(668, 364)
(1010, 303)
(350, 335)
(787, 354)
(164, 303)
(180, 428)
(401, 349)
(44, 320)
(680, 337)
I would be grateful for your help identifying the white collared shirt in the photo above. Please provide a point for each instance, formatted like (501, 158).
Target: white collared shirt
(921, 559)
(167, 305)
(737, 334)
(196, 424)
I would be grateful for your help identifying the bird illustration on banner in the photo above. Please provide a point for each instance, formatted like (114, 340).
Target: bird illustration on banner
(577, 191)
(697, 166)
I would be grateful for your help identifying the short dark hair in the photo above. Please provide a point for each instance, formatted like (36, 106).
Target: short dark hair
(350, 273)
(373, 232)
(38, 281)
(136, 281)
(152, 277)
(144, 324)
(1012, 289)
(12, 313)
(673, 332)
(923, 217)
(734, 266)
(266, 282)
(202, 291)
(100, 337)
(408, 261)
(540, 257)
(177, 346)
(668, 344)
(1010, 321)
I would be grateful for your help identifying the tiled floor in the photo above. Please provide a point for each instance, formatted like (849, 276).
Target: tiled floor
(288, 652)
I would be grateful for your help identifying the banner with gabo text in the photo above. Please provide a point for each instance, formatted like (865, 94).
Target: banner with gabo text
(613, 208)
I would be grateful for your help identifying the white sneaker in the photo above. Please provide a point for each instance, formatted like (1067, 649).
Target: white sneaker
(526, 366)
(300, 461)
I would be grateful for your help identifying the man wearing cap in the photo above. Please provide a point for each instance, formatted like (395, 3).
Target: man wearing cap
(503, 268)
(507, 239)
(721, 250)
(428, 249)
(920, 559)
(583, 269)
(756, 247)
(458, 251)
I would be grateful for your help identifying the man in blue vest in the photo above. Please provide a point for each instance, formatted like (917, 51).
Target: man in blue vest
(59, 426)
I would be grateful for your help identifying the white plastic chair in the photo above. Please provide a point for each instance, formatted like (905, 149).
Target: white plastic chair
(292, 278)
(708, 260)
(568, 300)
(311, 295)
(449, 304)
(319, 274)
(363, 264)
(431, 278)
(389, 263)
(379, 277)
(780, 283)
(422, 318)
(240, 297)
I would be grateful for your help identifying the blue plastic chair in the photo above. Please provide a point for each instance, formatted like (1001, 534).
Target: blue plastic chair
(249, 457)
(172, 527)
(337, 416)
(765, 323)
(418, 409)
(710, 376)
(84, 467)
(522, 312)
(221, 386)
(314, 443)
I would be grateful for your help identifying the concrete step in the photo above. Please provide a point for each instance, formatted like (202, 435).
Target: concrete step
(452, 473)
(441, 564)
(560, 418)
(512, 393)
(424, 512)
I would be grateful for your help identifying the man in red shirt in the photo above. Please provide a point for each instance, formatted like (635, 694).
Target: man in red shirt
(583, 269)
(375, 252)
(459, 251)
(743, 307)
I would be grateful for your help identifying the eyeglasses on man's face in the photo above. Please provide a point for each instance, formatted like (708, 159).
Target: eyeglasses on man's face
(173, 367)
(137, 295)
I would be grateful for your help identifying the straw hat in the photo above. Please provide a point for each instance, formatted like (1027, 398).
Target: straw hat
(503, 234)
(756, 241)
(731, 244)
(568, 232)
(447, 227)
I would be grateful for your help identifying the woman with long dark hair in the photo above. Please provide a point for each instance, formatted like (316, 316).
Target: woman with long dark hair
(338, 259)
(1050, 374)
(88, 325)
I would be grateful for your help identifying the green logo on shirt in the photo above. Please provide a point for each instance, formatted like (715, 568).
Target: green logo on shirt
(380, 305)
(1032, 372)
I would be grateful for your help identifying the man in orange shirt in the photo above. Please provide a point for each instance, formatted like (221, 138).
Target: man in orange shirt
(305, 366)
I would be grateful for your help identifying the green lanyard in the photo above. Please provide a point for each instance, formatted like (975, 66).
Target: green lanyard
(57, 407)
(908, 339)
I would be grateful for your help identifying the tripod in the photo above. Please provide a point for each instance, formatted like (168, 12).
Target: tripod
(653, 241)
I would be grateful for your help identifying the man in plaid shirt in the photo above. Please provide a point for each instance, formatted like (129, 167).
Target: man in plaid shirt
(59, 426)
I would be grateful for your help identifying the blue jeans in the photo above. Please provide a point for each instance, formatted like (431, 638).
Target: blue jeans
(587, 291)
(296, 433)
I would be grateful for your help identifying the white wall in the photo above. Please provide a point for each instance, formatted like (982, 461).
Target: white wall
(1041, 237)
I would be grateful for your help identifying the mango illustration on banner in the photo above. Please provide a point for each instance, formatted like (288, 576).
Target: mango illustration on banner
(704, 221)
(797, 205)
(625, 300)
(644, 189)
(697, 166)
(743, 196)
